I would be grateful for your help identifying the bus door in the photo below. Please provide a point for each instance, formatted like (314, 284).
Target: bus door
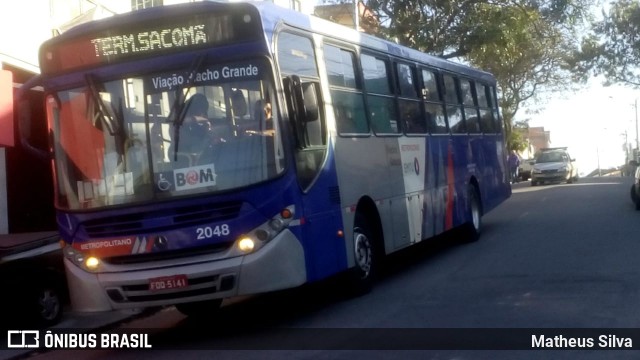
(315, 169)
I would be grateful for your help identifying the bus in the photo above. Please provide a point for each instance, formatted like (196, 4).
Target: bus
(211, 150)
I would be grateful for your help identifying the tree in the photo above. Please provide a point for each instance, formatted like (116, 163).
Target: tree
(518, 141)
(527, 59)
(525, 44)
(612, 48)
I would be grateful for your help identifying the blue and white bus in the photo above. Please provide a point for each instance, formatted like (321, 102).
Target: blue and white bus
(209, 150)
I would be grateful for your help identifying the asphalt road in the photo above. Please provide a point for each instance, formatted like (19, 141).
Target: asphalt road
(555, 257)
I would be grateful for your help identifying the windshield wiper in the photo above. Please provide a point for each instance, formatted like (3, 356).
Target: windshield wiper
(178, 111)
(111, 117)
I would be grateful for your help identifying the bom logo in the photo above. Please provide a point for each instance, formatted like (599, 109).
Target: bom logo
(195, 177)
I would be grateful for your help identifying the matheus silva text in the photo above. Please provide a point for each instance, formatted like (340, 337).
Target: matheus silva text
(602, 342)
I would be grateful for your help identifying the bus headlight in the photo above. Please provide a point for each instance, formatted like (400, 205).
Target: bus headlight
(87, 263)
(246, 244)
(258, 237)
(92, 263)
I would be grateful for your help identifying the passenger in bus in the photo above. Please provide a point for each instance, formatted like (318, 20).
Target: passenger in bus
(262, 119)
(195, 132)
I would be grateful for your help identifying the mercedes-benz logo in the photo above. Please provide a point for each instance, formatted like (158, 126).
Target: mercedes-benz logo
(161, 243)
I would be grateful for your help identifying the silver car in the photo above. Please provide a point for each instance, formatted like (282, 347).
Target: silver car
(554, 165)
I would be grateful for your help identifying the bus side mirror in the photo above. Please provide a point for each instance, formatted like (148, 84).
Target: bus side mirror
(305, 99)
(310, 95)
(25, 119)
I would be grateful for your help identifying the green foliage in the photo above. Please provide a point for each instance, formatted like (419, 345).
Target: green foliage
(516, 139)
(524, 43)
(612, 48)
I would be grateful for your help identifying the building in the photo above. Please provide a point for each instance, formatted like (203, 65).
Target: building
(343, 14)
(536, 138)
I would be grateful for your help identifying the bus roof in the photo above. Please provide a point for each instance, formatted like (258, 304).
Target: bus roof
(273, 14)
(272, 17)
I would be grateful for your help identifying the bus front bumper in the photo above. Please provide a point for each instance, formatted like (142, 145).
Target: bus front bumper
(279, 264)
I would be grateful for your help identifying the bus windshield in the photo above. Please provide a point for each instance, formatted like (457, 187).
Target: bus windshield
(162, 135)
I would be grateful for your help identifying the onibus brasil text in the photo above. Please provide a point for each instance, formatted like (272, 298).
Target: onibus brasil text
(96, 341)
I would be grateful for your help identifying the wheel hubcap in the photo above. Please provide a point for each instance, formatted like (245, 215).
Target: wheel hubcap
(475, 214)
(363, 253)
(49, 305)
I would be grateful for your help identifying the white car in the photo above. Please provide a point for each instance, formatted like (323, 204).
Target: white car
(554, 165)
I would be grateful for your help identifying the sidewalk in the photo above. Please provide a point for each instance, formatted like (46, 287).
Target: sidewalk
(95, 322)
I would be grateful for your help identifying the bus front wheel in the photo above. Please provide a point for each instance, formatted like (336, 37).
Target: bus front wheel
(361, 276)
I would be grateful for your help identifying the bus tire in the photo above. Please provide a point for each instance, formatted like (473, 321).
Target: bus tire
(474, 225)
(47, 304)
(361, 277)
(634, 197)
(204, 309)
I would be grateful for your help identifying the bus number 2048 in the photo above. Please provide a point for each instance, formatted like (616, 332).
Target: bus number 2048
(209, 232)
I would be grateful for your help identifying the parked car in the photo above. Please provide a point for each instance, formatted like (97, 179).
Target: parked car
(554, 165)
(524, 171)
(32, 279)
(635, 188)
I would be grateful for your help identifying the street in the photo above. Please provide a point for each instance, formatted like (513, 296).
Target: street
(553, 256)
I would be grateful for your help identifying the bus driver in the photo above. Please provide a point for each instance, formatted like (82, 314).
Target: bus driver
(195, 133)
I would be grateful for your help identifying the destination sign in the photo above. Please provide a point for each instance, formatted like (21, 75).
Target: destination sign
(147, 39)
(151, 40)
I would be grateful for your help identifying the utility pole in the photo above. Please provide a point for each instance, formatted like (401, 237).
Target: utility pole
(637, 150)
(356, 15)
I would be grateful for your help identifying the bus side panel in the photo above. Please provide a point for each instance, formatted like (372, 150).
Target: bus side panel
(457, 160)
(497, 187)
(437, 186)
(372, 167)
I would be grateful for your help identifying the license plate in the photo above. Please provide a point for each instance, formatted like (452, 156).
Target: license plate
(168, 283)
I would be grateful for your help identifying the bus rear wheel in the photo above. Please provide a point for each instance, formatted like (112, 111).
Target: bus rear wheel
(474, 225)
(207, 308)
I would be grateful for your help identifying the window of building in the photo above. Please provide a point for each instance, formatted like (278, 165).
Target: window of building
(143, 4)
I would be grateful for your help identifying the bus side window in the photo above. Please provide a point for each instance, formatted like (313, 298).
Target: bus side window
(408, 103)
(486, 117)
(470, 110)
(380, 100)
(493, 104)
(346, 93)
(453, 107)
(434, 108)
